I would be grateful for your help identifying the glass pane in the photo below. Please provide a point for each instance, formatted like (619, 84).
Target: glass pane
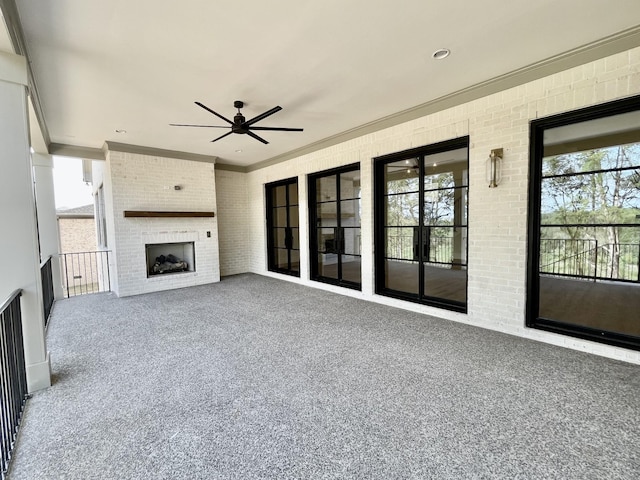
(350, 185)
(326, 189)
(594, 134)
(401, 243)
(446, 169)
(606, 252)
(293, 193)
(401, 276)
(589, 275)
(294, 216)
(622, 156)
(280, 217)
(279, 196)
(351, 268)
(605, 197)
(350, 213)
(282, 259)
(279, 237)
(327, 242)
(603, 305)
(446, 245)
(351, 241)
(445, 282)
(328, 265)
(327, 214)
(402, 176)
(295, 261)
(445, 207)
(295, 233)
(402, 209)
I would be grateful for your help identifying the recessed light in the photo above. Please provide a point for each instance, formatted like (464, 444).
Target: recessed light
(120, 130)
(441, 53)
(238, 151)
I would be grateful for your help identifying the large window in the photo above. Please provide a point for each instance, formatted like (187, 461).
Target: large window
(334, 212)
(283, 242)
(584, 258)
(421, 224)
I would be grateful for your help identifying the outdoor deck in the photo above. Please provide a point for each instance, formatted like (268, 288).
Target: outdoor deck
(259, 378)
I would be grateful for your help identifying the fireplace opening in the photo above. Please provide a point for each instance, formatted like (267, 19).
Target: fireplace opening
(168, 258)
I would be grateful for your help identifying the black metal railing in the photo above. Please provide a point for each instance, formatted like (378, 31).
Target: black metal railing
(587, 259)
(13, 379)
(85, 272)
(47, 289)
(404, 247)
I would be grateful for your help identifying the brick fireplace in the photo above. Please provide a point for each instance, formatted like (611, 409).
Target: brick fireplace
(154, 199)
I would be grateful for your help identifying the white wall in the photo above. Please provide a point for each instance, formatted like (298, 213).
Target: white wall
(47, 224)
(20, 266)
(232, 198)
(145, 182)
(497, 217)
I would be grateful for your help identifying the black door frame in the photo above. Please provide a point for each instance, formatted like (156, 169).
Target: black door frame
(313, 227)
(379, 224)
(271, 248)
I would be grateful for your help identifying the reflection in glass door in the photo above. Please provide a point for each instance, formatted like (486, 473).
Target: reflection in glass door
(334, 203)
(283, 243)
(421, 224)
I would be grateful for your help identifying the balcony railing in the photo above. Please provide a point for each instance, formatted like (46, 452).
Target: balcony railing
(47, 289)
(13, 380)
(85, 272)
(404, 247)
(587, 259)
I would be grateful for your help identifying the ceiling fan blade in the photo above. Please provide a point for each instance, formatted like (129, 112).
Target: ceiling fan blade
(221, 136)
(189, 125)
(251, 134)
(215, 113)
(278, 129)
(261, 116)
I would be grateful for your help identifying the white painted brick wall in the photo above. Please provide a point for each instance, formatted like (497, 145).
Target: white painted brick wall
(497, 217)
(142, 182)
(232, 199)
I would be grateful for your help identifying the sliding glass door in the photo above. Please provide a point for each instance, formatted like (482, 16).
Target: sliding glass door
(283, 244)
(334, 212)
(421, 224)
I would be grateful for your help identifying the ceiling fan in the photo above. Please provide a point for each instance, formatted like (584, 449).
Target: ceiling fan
(240, 124)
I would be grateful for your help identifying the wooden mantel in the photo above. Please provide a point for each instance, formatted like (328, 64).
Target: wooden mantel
(161, 214)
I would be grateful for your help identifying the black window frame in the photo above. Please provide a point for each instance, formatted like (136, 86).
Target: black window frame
(536, 155)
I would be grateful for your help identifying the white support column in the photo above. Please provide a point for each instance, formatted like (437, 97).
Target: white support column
(47, 221)
(20, 266)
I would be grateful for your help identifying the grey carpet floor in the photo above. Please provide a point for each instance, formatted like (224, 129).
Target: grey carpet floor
(259, 378)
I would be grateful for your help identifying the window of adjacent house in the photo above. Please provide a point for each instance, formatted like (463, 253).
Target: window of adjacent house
(334, 226)
(421, 224)
(584, 258)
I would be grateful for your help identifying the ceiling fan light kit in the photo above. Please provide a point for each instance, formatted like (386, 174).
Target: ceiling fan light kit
(240, 124)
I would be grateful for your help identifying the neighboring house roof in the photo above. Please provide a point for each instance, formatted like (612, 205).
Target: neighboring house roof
(85, 211)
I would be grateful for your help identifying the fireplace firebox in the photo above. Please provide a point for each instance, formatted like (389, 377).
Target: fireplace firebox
(170, 258)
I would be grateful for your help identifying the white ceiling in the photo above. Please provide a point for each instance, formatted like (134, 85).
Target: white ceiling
(333, 65)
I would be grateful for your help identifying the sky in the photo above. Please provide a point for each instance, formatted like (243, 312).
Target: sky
(70, 191)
